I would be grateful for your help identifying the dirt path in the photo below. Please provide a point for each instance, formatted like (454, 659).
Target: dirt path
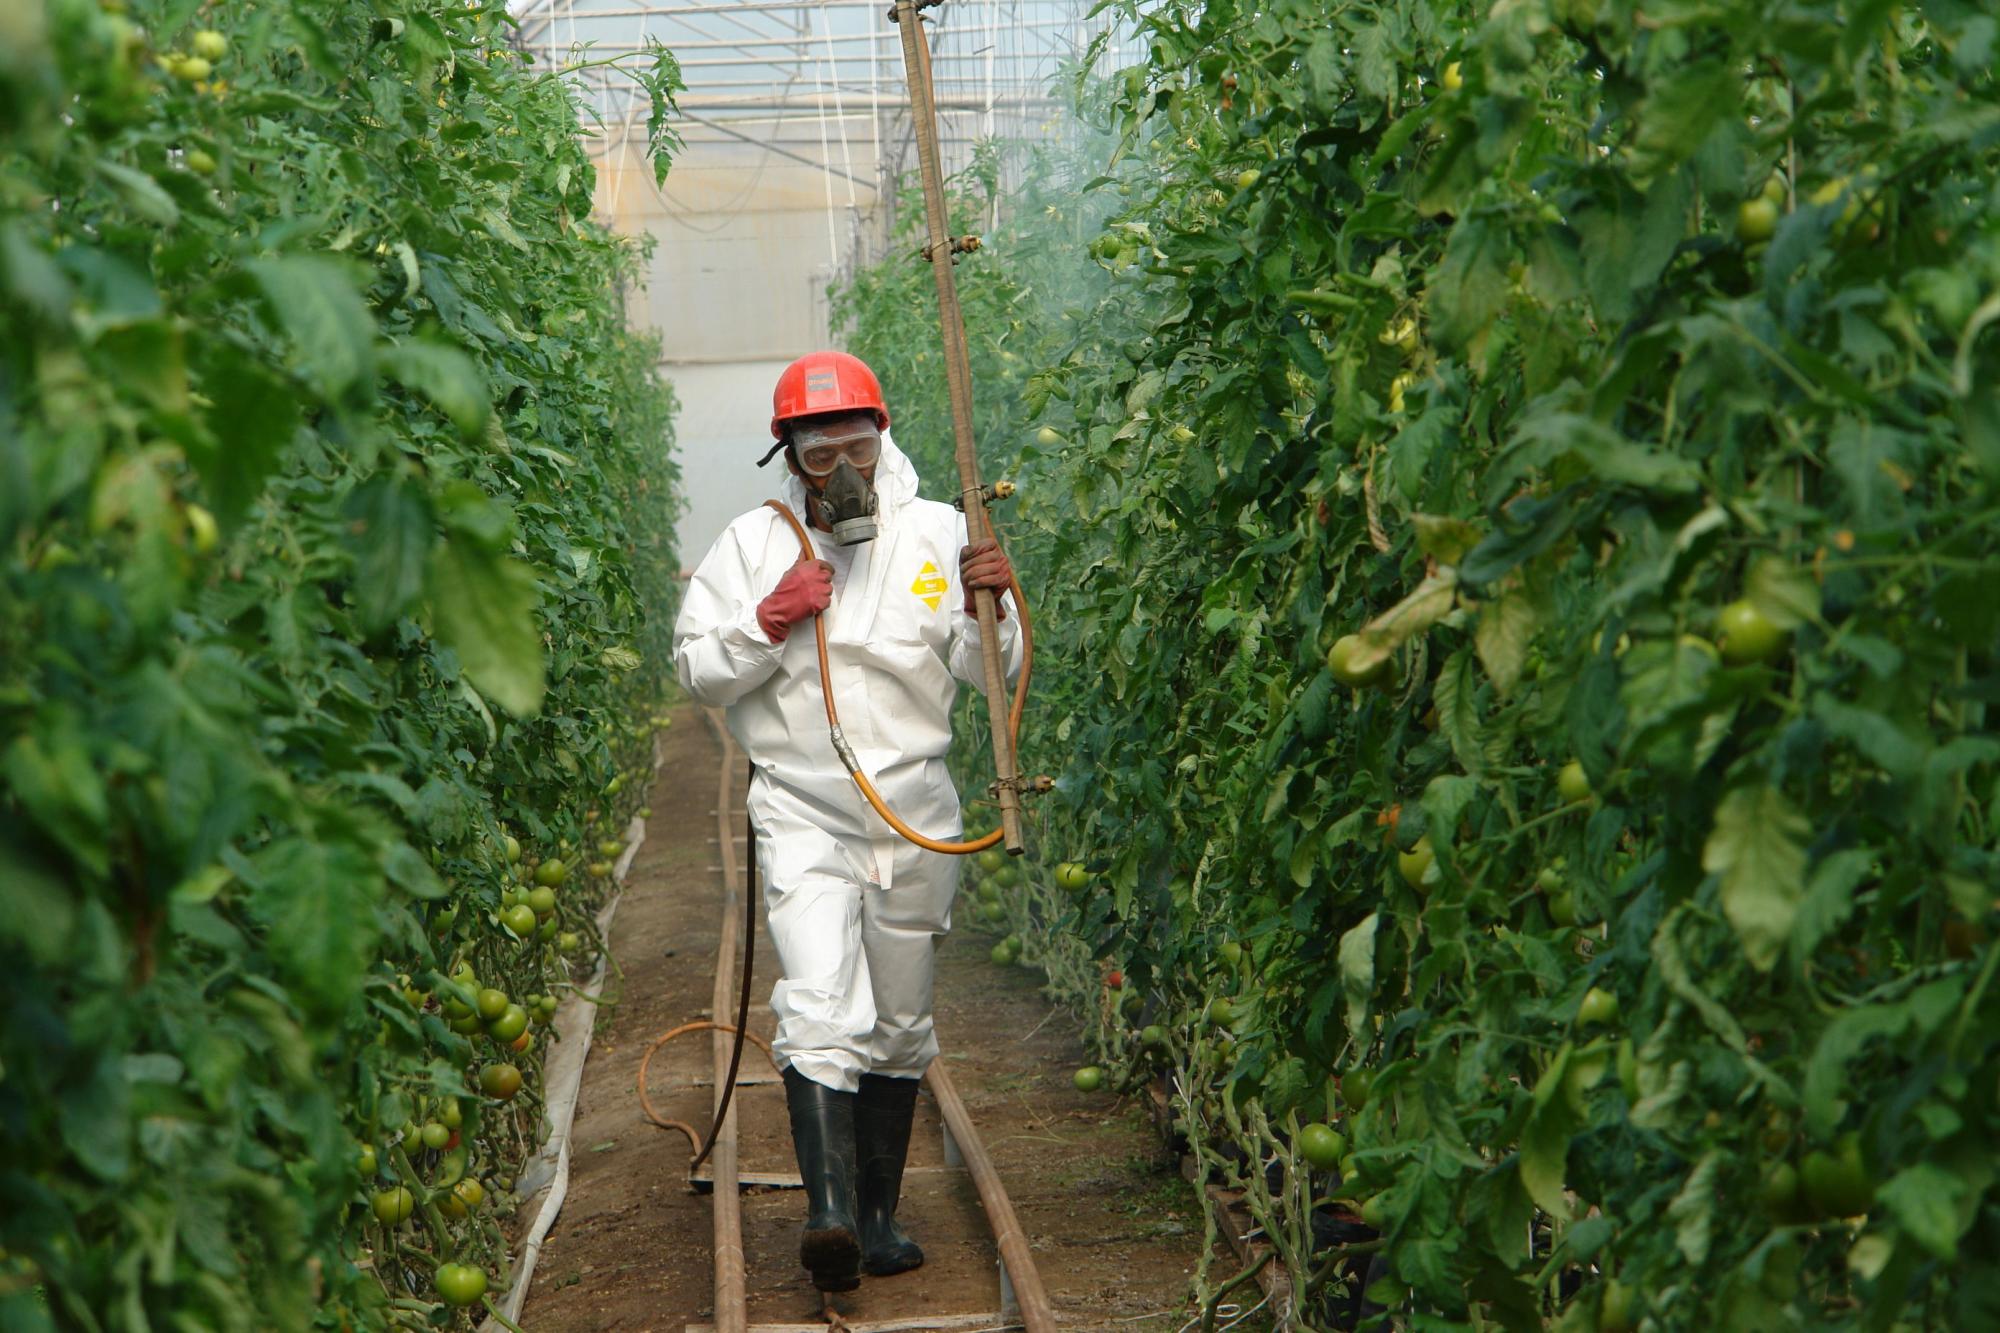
(1115, 1231)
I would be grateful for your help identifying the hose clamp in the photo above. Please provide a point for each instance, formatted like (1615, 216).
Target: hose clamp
(998, 490)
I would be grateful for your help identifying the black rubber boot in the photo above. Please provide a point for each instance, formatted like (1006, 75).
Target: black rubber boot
(823, 1137)
(883, 1111)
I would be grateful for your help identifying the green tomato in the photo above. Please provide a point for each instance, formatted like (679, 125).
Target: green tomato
(460, 1284)
(1071, 875)
(364, 1161)
(1837, 1183)
(568, 940)
(1340, 660)
(1231, 954)
(509, 1025)
(209, 44)
(1598, 1007)
(1572, 783)
(513, 846)
(551, 873)
(1562, 908)
(500, 1082)
(1356, 1087)
(1628, 1069)
(1747, 634)
(991, 859)
(393, 1206)
(1088, 1079)
(492, 1003)
(1221, 1013)
(1375, 1211)
(435, 1135)
(1322, 1146)
(1003, 954)
(1452, 79)
(1247, 177)
(542, 901)
(1779, 1191)
(1756, 219)
(1414, 864)
(520, 919)
(1615, 1314)
(1153, 1035)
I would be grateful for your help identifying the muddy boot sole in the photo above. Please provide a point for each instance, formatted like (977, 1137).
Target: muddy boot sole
(833, 1256)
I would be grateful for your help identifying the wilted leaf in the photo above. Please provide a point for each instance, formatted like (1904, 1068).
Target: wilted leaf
(1357, 971)
(1380, 637)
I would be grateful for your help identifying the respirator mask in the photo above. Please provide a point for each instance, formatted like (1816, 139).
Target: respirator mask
(838, 452)
(849, 504)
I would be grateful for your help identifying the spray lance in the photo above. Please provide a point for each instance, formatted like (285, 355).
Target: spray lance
(942, 252)
(847, 502)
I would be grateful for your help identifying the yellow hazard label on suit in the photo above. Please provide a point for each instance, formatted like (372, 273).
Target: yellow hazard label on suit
(930, 585)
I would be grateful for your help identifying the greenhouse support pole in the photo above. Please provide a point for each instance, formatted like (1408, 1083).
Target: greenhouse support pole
(958, 379)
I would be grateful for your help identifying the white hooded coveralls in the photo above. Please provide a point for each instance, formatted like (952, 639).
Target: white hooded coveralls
(854, 911)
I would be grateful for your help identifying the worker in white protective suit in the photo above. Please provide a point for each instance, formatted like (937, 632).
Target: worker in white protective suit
(854, 911)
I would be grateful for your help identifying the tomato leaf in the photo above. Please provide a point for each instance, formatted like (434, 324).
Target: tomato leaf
(316, 302)
(390, 531)
(1785, 593)
(444, 375)
(1757, 846)
(483, 607)
(1357, 973)
(1545, 1138)
(1505, 630)
(1929, 1203)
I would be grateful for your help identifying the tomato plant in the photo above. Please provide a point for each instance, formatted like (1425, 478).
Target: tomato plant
(335, 577)
(1438, 338)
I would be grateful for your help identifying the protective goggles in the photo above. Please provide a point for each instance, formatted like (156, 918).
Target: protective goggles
(820, 451)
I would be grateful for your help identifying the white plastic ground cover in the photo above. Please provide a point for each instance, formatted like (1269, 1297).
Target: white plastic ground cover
(575, 1021)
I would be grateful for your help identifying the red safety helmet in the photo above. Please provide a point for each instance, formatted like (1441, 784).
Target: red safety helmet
(826, 382)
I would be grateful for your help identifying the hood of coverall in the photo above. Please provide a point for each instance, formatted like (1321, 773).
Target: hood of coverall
(895, 487)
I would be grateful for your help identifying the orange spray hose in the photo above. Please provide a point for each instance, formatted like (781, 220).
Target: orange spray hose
(846, 752)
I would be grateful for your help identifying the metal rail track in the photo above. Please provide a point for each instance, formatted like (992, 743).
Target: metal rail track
(1024, 1300)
